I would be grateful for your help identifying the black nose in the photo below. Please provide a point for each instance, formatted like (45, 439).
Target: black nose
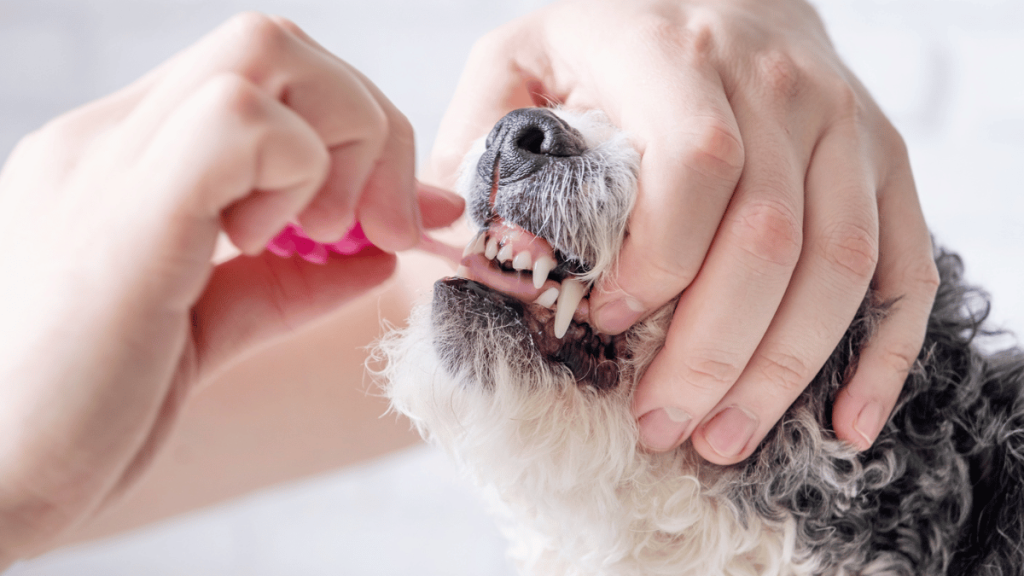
(524, 141)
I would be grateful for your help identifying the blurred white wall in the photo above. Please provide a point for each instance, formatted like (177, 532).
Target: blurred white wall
(950, 73)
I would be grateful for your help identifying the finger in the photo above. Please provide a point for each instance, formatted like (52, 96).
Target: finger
(908, 276)
(225, 142)
(439, 207)
(250, 301)
(387, 207)
(491, 86)
(722, 316)
(387, 210)
(266, 54)
(687, 177)
(827, 288)
(336, 103)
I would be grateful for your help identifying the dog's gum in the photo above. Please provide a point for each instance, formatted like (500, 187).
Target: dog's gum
(520, 240)
(479, 268)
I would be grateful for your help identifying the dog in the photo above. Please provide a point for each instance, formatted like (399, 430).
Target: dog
(503, 371)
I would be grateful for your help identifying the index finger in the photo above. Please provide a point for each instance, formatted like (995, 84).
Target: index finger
(692, 157)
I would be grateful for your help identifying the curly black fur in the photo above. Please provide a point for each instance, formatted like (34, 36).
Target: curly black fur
(942, 489)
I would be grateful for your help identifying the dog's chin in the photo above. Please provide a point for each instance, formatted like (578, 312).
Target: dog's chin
(467, 314)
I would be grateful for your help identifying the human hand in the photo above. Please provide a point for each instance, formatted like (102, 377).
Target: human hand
(112, 309)
(772, 189)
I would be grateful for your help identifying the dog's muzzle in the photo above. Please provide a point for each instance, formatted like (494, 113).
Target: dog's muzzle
(514, 276)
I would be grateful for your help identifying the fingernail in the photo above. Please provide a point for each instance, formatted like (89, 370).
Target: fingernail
(869, 424)
(617, 316)
(730, 431)
(661, 429)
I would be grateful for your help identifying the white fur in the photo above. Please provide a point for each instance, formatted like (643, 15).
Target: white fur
(561, 463)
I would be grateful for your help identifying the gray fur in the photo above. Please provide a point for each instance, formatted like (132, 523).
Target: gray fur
(940, 492)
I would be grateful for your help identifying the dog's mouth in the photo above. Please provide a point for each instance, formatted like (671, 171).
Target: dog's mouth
(520, 276)
(507, 258)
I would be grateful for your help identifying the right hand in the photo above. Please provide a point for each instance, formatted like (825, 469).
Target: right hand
(113, 312)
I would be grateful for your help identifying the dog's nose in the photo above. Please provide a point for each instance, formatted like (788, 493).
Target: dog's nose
(525, 140)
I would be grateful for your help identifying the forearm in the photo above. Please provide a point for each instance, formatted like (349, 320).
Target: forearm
(300, 407)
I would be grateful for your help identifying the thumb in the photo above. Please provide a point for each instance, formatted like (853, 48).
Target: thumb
(439, 207)
(249, 301)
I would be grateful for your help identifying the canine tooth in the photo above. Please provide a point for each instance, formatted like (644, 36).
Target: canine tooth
(568, 300)
(548, 298)
(462, 272)
(522, 261)
(476, 246)
(505, 253)
(541, 268)
(492, 249)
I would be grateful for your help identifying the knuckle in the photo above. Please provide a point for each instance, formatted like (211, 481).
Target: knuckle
(493, 46)
(401, 129)
(786, 371)
(69, 125)
(692, 40)
(232, 95)
(847, 102)
(710, 373)
(318, 161)
(924, 276)
(55, 140)
(779, 74)
(770, 232)
(717, 152)
(894, 146)
(853, 250)
(286, 24)
(655, 30)
(256, 35)
(376, 126)
(666, 267)
(900, 357)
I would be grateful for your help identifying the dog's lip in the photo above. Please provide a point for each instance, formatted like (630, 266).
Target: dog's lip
(592, 358)
(518, 285)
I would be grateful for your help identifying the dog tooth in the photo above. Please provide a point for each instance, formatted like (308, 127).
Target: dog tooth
(462, 272)
(505, 253)
(548, 298)
(569, 299)
(544, 265)
(476, 246)
(492, 249)
(522, 261)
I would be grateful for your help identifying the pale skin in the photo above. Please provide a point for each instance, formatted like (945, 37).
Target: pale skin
(782, 194)
(121, 315)
(778, 195)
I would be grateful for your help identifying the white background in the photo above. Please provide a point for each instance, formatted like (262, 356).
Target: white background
(949, 73)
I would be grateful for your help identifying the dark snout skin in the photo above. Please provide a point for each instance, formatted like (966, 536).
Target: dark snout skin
(524, 142)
